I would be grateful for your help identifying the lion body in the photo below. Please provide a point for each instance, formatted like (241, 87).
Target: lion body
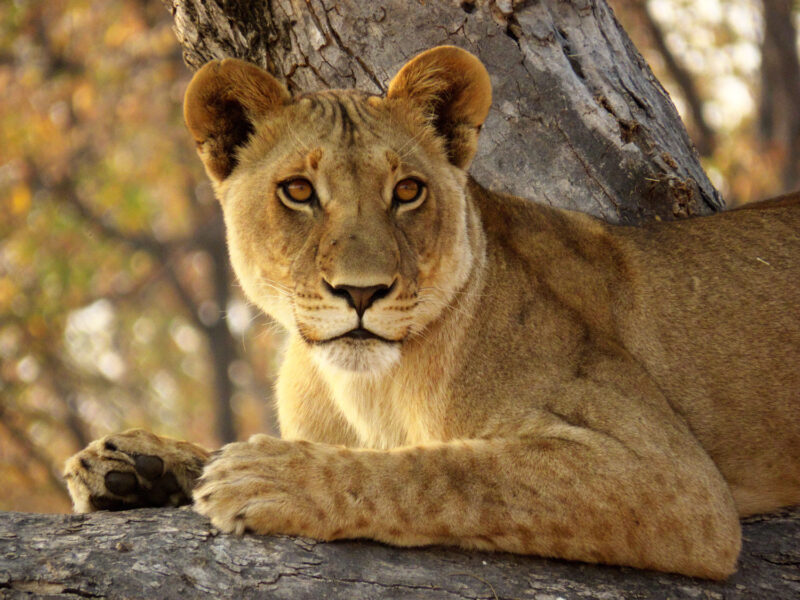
(475, 369)
(692, 304)
(717, 325)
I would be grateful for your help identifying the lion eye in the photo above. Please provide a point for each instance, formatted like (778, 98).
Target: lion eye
(408, 190)
(298, 190)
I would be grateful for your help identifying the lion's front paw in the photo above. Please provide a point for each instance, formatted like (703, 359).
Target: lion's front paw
(133, 469)
(265, 485)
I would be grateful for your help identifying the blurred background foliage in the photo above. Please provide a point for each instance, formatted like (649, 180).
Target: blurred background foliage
(117, 305)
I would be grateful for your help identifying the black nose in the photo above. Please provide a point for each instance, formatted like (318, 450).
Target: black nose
(360, 298)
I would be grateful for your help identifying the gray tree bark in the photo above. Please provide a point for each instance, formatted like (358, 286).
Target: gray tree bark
(578, 120)
(173, 554)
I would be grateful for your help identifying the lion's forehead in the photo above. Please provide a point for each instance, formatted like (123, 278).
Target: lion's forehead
(353, 131)
(337, 119)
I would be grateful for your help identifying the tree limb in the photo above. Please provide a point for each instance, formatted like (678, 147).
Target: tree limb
(173, 554)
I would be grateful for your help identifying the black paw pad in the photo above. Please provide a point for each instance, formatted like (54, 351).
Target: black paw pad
(148, 466)
(103, 503)
(121, 483)
(165, 492)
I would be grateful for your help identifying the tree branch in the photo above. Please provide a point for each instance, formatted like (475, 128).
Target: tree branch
(173, 554)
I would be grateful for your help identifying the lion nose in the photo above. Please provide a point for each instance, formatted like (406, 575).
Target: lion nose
(360, 298)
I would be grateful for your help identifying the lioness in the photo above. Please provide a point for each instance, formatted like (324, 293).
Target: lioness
(470, 368)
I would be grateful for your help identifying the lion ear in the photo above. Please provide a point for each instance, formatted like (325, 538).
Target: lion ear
(223, 102)
(453, 90)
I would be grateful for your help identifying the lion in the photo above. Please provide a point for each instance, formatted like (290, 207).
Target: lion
(470, 368)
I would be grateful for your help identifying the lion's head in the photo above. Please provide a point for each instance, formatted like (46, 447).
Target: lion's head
(345, 212)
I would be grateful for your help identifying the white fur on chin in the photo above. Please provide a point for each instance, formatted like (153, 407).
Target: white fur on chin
(369, 357)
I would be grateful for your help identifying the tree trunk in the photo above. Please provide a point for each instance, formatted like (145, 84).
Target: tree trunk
(578, 119)
(223, 351)
(779, 110)
(704, 135)
(172, 554)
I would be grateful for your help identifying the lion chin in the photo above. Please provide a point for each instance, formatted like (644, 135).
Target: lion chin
(368, 357)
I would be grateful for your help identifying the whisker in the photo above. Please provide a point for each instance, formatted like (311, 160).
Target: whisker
(277, 287)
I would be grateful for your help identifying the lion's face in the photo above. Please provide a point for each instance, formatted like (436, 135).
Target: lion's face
(347, 229)
(346, 220)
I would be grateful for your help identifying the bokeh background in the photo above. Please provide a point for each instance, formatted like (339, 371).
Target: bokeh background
(117, 305)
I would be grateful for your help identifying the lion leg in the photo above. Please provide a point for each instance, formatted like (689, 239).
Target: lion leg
(133, 469)
(573, 494)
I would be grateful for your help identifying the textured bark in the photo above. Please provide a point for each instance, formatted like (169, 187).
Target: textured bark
(578, 119)
(704, 135)
(166, 554)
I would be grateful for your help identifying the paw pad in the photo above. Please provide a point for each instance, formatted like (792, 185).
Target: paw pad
(149, 467)
(121, 483)
(152, 487)
(134, 469)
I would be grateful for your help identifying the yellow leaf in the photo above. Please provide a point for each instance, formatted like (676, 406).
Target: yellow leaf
(83, 98)
(20, 199)
(7, 292)
(37, 326)
(116, 35)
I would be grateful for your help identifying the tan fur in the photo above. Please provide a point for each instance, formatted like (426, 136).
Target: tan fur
(547, 383)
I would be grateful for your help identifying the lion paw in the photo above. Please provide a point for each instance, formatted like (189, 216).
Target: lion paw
(261, 486)
(133, 469)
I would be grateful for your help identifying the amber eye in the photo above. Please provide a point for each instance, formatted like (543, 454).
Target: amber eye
(298, 190)
(408, 190)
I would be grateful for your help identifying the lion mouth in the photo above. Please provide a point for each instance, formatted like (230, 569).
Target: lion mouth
(358, 334)
(358, 350)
